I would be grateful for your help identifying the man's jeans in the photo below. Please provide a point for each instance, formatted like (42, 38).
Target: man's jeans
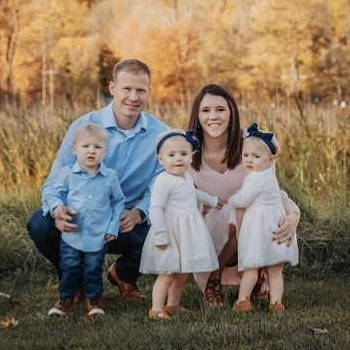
(76, 267)
(47, 239)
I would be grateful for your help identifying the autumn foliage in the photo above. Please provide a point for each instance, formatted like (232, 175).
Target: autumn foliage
(54, 50)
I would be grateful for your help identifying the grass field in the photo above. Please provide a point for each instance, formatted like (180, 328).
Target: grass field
(317, 317)
(317, 301)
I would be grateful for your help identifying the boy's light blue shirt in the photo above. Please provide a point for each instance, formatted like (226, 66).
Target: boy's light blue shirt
(97, 198)
(132, 153)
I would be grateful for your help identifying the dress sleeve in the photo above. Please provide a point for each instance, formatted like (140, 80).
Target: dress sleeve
(159, 194)
(251, 188)
(206, 198)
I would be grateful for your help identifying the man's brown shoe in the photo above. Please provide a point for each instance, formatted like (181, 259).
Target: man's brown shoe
(128, 291)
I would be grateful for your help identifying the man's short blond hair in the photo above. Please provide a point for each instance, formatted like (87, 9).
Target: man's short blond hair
(131, 65)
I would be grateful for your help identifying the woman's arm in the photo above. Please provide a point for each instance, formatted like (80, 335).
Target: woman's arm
(288, 225)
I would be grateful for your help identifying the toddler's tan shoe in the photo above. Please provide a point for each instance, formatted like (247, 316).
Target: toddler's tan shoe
(277, 307)
(158, 315)
(243, 306)
(171, 310)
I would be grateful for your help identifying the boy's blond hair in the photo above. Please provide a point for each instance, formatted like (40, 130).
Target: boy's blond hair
(90, 129)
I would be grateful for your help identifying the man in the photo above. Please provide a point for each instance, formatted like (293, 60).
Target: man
(131, 151)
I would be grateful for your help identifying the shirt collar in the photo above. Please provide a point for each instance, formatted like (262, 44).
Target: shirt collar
(108, 120)
(77, 169)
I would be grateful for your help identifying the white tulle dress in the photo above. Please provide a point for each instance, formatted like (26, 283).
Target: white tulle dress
(261, 196)
(176, 221)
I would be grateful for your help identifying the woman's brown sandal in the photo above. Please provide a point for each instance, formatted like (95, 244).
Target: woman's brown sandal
(213, 293)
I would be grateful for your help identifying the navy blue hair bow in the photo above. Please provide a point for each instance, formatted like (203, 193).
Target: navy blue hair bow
(189, 136)
(193, 140)
(265, 136)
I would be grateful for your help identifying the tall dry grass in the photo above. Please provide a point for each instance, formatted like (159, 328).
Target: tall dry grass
(314, 160)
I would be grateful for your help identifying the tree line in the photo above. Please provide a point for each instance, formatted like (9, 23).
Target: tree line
(54, 50)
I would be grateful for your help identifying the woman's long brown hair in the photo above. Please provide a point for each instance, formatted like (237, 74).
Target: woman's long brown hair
(233, 154)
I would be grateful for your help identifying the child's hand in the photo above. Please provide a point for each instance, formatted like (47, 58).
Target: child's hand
(221, 203)
(109, 237)
(162, 246)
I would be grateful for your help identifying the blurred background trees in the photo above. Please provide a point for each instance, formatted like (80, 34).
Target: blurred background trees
(54, 50)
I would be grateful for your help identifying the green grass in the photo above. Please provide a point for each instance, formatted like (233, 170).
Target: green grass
(314, 304)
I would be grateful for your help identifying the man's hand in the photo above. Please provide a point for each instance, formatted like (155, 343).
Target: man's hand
(63, 217)
(287, 228)
(128, 220)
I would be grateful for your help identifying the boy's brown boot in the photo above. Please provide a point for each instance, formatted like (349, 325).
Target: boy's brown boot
(94, 308)
(61, 307)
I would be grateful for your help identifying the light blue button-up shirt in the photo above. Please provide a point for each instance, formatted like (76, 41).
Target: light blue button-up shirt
(97, 198)
(131, 152)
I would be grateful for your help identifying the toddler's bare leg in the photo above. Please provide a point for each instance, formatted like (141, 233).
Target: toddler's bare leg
(247, 284)
(176, 288)
(160, 291)
(275, 274)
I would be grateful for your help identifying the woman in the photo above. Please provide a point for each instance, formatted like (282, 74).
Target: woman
(216, 170)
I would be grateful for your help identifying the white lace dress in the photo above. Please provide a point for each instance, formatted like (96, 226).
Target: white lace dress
(176, 220)
(261, 196)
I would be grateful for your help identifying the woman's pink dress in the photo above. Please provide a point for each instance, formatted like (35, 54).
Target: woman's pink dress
(218, 221)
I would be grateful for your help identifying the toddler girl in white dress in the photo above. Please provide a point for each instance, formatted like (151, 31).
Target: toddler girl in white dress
(260, 195)
(178, 242)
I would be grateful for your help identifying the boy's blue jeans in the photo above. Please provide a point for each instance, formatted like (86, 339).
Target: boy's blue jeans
(76, 267)
(47, 238)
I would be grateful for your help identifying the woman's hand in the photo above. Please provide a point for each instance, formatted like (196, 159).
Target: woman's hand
(286, 229)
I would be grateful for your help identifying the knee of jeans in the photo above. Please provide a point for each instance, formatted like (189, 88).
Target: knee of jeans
(70, 259)
(94, 262)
